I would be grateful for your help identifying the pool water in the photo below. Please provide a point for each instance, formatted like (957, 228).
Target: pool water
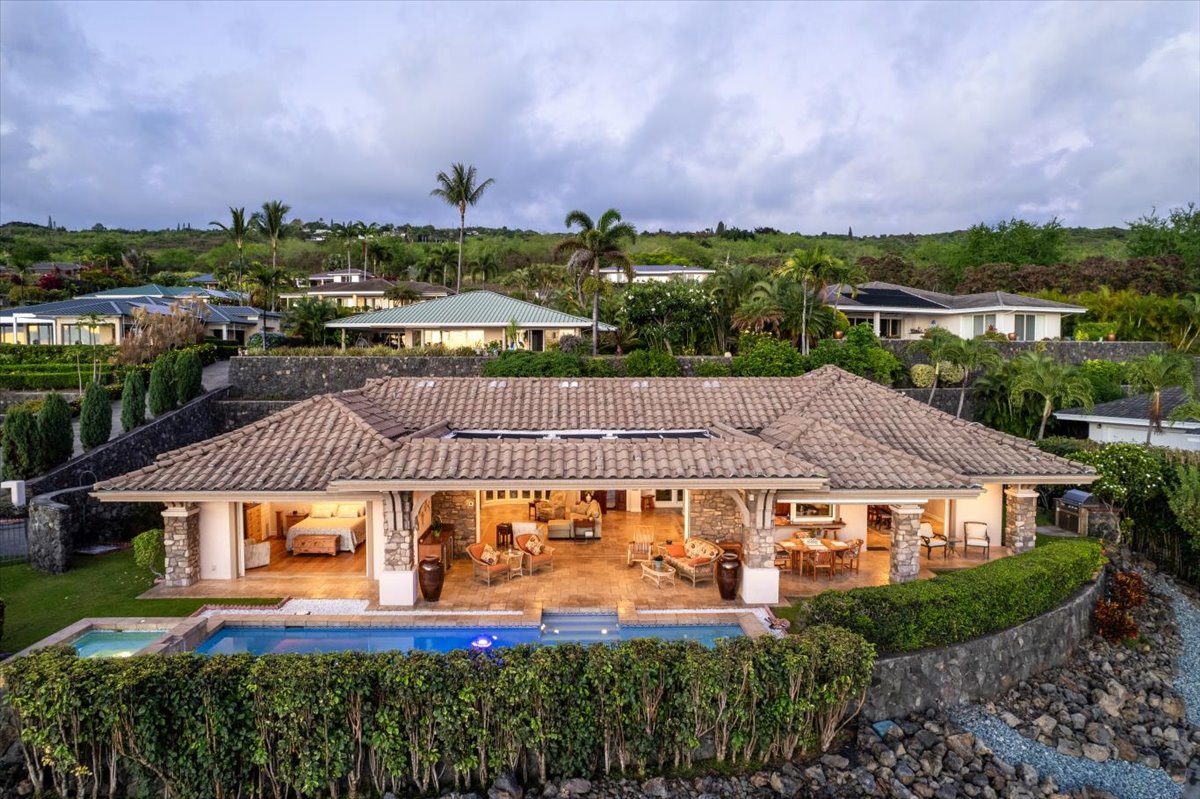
(114, 643)
(556, 628)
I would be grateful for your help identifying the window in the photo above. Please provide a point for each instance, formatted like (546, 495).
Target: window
(37, 333)
(889, 328)
(83, 334)
(983, 322)
(860, 320)
(803, 512)
(1025, 327)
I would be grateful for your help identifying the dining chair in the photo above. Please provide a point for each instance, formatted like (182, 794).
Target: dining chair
(820, 561)
(850, 556)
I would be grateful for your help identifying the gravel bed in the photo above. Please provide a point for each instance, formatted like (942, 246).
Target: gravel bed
(1187, 677)
(1120, 778)
(342, 607)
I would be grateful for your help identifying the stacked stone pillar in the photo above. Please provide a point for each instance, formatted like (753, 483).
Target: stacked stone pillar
(906, 545)
(1020, 517)
(398, 582)
(181, 539)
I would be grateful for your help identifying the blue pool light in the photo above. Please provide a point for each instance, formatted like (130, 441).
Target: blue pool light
(482, 642)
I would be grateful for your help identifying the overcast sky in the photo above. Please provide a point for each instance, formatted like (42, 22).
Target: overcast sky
(885, 117)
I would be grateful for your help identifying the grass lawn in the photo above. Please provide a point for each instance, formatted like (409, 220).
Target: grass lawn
(97, 585)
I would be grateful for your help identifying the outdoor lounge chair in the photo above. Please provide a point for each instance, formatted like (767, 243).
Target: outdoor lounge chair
(975, 534)
(694, 560)
(486, 571)
(543, 559)
(640, 547)
(932, 541)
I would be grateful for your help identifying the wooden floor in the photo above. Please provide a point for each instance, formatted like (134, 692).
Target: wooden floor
(284, 563)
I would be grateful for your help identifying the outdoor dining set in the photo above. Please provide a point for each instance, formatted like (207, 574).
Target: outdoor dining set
(805, 555)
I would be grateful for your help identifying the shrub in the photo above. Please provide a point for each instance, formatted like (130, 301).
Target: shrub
(1129, 589)
(1106, 378)
(859, 354)
(599, 367)
(189, 375)
(1094, 331)
(521, 363)
(921, 375)
(255, 342)
(55, 434)
(1064, 446)
(162, 392)
(150, 552)
(958, 606)
(133, 402)
(767, 357)
(317, 724)
(711, 369)
(21, 444)
(651, 363)
(573, 344)
(1113, 621)
(95, 417)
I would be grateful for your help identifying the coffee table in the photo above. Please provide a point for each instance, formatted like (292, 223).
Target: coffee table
(658, 573)
(516, 563)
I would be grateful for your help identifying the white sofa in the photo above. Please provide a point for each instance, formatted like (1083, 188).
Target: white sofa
(258, 554)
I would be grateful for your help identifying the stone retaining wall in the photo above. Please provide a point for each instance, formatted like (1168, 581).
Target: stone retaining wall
(965, 672)
(1068, 352)
(194, 422)
(63, 521)
(714, 516)
(232, 414)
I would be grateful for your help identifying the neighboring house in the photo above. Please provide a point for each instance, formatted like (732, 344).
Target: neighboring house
(63, 322)
(747, 460)
(1127, 419)
(334, 276)
(208, 280)
(656, 273)
(153, 291)
(66, 268)
(470, 319)
(371, 293)
(899, 312)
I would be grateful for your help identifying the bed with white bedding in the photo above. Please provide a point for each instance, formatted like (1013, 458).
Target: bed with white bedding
(351, 530)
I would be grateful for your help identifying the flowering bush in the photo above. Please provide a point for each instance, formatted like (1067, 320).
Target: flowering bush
(1129, 589)
(1114, 622)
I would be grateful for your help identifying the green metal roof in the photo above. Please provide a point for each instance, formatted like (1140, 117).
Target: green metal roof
(472, 309)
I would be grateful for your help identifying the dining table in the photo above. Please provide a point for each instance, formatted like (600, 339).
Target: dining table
(798, 547)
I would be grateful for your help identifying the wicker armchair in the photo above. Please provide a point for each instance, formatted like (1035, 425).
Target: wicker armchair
(544, 559)
(485, 571)
(694, 560)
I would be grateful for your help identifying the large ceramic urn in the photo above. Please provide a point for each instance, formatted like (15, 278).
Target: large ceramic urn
(728, 572)
(431, 576)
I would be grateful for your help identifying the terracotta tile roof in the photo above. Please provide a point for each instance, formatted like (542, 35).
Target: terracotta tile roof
(297, 449)
(911, 426)
(499, 459)
(531, 403)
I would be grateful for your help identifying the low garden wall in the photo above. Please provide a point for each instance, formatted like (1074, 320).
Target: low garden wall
(61, 522)
(195, 421)
(969, 671)
(1072, 353)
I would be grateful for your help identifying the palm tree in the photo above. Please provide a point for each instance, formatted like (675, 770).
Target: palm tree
(459, 189)
(939, 346)
(813, 270)
(347, 234)
(237, 230)
(731, 286)
(269, 280)
(1054, 383)
(366, 233)
(307, 317)
(970, 355)
(270, 222)
(91, 322)
(402, 293)
(1156, 372)
(593, 246)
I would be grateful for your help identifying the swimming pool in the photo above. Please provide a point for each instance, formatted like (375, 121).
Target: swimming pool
(114, 643)
(556, 628)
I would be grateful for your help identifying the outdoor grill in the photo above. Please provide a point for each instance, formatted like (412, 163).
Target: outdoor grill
(1072, 506)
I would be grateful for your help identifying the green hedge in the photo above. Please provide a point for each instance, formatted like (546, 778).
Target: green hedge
(521, 363)
(54, 353)
(49, 381)
(366, 723)
(961, 605)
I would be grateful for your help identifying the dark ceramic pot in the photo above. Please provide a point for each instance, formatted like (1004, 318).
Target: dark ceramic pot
(431, 576)
(728, 572)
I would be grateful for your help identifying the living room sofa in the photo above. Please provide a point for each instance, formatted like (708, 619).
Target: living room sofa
(694, 560)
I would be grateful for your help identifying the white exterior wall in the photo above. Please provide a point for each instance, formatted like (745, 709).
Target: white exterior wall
(219, 545)
(988, 507)
(855, 517)
(1109, 433)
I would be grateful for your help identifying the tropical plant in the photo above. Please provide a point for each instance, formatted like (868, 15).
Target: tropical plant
(307, 317)
(763, 356)
(651, 363)
(133, 401)
(593, 246)
(189, 376)
(860, 354)
(730, 287)
(939, 346)
(670, 314)
(1156, 372)
(21, 458)
(1055, 384)
(971, 355)
(270, 222)
(458, 188)
(55, 434)
(814, 270)
(237, 230)
(266, 282)
(347, 234)
(150, 551)
(95, 417)
(366, 234)
(1184, 500)
(91, 322)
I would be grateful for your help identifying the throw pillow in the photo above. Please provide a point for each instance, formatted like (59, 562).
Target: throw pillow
(676, 550)
(699, 561)
(534, 545)
(489, 555)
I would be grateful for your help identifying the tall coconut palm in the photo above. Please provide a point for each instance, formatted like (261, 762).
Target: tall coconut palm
(307, 318)
(366, 234)
(269, 221)
(347, 234)
(596, 245)
(939, 346)
(237, 230)
(971, 355)
(731, 286)
(1054, 383)
(267, 281)
(1156, 372)
(813, 270)
(460, 190)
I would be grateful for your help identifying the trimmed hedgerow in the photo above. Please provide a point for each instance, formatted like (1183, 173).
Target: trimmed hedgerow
(366, 723)
(522, 363)
(961, 605)
(651, 363)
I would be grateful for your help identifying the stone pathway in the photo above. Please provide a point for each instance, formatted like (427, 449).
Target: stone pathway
(1187, 672)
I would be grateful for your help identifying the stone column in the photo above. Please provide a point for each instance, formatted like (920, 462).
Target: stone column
(1020, 517)
(181, 538)
(398, 582)
(457, 508)
(50, 530)
(906, 549)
